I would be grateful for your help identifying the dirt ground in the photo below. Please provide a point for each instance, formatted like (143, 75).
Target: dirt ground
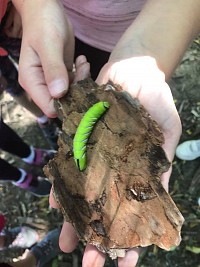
(21, 208)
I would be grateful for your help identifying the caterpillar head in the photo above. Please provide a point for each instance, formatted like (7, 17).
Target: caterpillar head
(81, 163)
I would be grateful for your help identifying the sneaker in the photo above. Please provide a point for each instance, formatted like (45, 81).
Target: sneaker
(48, 248)
(36, 185)
(23, 237)
(188, 150)
(42, 156)
(50, 131)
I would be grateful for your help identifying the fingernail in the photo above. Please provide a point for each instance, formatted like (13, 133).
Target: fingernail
(57, 87)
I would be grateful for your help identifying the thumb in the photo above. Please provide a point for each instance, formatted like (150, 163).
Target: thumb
(57, 61)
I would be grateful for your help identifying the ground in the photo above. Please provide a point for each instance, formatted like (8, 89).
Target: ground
(21, 208)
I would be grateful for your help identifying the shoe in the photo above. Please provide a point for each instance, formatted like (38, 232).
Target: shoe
(188, 150)
(50, 131)
(42, 156)
(23, 237)
(36, 185)
(48, 248)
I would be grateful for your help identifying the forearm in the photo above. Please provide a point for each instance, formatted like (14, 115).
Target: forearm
(163, 30)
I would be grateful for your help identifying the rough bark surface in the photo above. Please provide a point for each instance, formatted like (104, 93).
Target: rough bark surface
(118, 202)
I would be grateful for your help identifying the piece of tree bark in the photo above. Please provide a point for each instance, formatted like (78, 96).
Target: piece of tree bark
(118, 202)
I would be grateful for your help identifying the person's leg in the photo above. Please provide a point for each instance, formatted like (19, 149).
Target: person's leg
(9, 172)
(28, 260)
(42, 252)
(38, 186)
(11, 142)
(48, 248)
(96, 57)
(21, 236)
(48, 126)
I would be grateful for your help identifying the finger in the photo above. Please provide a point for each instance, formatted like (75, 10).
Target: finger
(68, 238)
(172, 132)
(131, 258)
(104, 74)
(93, 257)
(82, 69)
(165, 178)
(57, 60)
(171, 127)
(31, 78)
(53, 203)
(172, 136)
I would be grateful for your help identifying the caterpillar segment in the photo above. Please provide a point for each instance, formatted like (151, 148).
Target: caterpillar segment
(84, 130)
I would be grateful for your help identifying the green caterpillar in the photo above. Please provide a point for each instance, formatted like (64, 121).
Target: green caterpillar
(84, 130)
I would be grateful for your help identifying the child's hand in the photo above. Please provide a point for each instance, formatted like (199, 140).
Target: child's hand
(141, 77)
(47, 52)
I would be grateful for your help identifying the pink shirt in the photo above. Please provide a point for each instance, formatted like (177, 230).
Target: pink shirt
(100, 23)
